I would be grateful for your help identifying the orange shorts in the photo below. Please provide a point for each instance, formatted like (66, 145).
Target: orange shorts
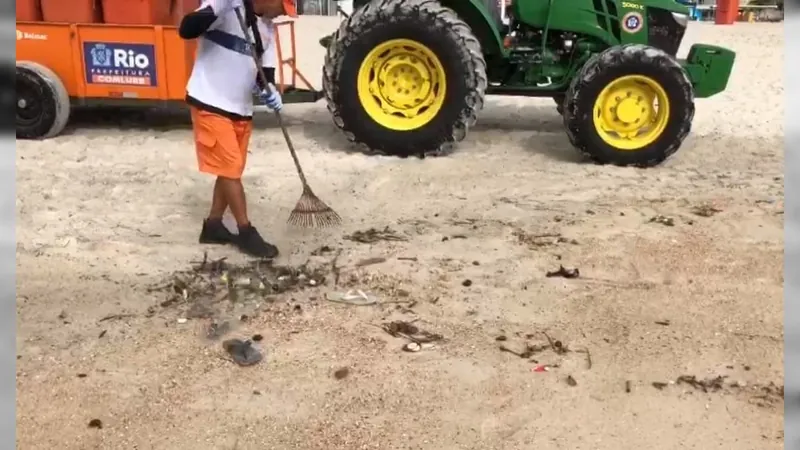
(221, 143)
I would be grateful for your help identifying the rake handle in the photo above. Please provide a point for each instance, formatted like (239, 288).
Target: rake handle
(263, 78)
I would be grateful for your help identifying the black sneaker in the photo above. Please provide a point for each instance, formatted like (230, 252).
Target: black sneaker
(251, 243)
(214, 232)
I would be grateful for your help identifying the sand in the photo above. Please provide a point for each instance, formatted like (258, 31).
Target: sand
(115, 205)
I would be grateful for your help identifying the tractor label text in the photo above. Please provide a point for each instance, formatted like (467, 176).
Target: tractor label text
(119, 64)
(630, 5)
(632, 22)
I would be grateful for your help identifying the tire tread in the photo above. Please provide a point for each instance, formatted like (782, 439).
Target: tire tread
(61, 96)
(630, 54)
(379, 12)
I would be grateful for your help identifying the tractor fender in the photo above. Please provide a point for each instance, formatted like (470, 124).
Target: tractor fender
(475, 14)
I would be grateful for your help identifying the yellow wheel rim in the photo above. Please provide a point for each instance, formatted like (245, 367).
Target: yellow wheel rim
(631, 112)
(401, 84)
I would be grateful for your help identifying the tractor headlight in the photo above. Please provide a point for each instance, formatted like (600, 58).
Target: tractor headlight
(681, 19)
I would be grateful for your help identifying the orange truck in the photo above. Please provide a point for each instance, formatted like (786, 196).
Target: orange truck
(113, 52)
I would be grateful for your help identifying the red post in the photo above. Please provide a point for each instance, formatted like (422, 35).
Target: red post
(727, 11)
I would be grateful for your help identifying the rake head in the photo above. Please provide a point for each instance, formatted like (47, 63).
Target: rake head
(311, 212)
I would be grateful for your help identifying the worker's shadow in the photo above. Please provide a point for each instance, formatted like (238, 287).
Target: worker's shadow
(545, 125)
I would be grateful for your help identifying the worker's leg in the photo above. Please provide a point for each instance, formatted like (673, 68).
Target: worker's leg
(234, 189)
(248, 240)
(218, 202)
(234, 195)
(210, 131)
(222, 151)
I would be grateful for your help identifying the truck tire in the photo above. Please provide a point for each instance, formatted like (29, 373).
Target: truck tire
(610, 111)
(404, 77)
(42, 102)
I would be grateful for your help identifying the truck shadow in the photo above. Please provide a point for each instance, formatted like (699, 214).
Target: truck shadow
(128, 118)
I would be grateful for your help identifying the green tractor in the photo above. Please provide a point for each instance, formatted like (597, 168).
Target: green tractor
(409, 77)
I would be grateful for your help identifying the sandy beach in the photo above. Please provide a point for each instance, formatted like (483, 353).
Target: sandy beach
(681, 275)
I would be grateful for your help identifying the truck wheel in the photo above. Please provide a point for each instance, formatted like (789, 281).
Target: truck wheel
(630, 105)
(42, 102)
(404, 77)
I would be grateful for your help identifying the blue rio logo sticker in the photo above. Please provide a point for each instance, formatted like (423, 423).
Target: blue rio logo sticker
(120, 64)
(632, 22)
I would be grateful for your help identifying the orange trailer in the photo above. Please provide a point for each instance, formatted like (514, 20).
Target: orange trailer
(61, 65)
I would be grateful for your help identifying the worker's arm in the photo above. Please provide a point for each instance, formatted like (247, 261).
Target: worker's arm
(268, 58)
(265, 45)
(269, 73)
(197, 22)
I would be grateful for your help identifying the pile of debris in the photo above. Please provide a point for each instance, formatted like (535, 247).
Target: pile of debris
(208, 283)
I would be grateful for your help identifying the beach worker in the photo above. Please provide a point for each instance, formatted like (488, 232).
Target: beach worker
(220, 96)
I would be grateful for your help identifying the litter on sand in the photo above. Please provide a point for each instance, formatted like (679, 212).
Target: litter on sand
(199, 291)
(374, 235)
(216, 330)
(414, 347)
(341, 373)
(564, 273)
(663, 220)
(705, 210)
(355, 297)
(407, 330)
(706, 385)
(242, 352)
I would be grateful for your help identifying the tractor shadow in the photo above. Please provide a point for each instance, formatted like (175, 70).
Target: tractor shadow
(535, 128)
(537, 118)
(547, 136)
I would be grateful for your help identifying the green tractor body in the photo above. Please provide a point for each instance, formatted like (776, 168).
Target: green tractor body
(610, 65)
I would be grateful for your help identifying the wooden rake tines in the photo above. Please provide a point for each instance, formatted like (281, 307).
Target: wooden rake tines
(311, 212)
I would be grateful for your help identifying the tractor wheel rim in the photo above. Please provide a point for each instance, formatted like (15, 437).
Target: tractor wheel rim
(401, 84)
(631, 112)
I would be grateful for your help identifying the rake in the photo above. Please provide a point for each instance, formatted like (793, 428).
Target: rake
(310, 211)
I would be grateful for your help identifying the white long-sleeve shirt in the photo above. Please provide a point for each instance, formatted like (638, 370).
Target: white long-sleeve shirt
(224, 74)
(268, 37)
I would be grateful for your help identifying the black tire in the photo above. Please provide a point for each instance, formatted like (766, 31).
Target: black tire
(42, 102)
(445, 34)
(559, 100)
(601, 69)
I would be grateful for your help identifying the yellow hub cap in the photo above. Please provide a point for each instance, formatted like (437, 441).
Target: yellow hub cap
(631, 112)
(401, 84)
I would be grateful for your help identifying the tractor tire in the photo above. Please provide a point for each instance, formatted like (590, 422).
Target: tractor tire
(42, 102)
(647, 71)
(422, 24)
(559, 100)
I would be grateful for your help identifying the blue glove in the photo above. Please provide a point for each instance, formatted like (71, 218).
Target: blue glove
(272, 98)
